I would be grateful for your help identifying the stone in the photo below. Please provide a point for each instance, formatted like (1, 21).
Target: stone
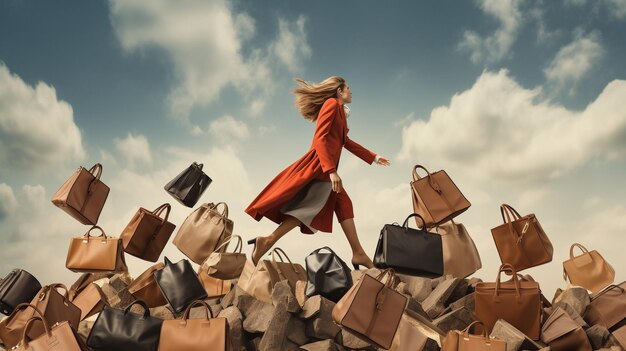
(577, 298)
(415, 306)
(162, 312)
(598, 335)
(296, 331)
(84, 328)
(120, 281)
(353, 342)
(418, 287)
(257, 316)
(515, 339)
(276, 331)
(300, 292)
(324, 345)
(437, 301)
(235, 323)
(459, 291)
(316, 305)
(321, 327)
(282, 293)
(466, 301)
(423, 325)
(572, 313)
(457, 319)
(232, 295)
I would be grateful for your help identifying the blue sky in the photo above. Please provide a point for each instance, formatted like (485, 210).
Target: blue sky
(520, 101)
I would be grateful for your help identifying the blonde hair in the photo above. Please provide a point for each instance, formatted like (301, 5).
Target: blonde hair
(310, 96)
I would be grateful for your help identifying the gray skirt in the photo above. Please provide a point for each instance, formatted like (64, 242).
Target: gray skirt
(308, 202)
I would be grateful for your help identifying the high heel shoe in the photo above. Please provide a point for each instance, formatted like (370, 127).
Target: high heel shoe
(356, 266)
(253, 242)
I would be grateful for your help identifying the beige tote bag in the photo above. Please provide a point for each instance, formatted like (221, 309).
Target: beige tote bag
(460, 256)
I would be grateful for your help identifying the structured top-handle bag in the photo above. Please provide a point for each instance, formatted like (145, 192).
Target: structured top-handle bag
(608, 307)
(148, 232)
(521, 241)
(90, 300)
(203, 231)
(96, 253)
(327, 274)
(589, 270)
(226, 265)
(408, 250)
(460, 256)
(58, 337)
(179, 284)
(188, 186)
(12, 328)
(436, 198)
(145, 287)
(83, 195)
(465, 341)
(17, 287)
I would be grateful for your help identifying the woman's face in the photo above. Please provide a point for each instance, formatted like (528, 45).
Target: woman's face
(345, 94)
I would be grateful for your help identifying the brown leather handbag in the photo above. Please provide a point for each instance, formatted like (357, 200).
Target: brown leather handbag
(408, 337)
(226, 265)
(214, 287)
(521, 242)
(147, 233)
(562, 333)
(195, 334)
(460, 256)
(203, 231)
(145, 287)
(90, 300)
(84, 280)
(517, 302)
(608, 307)
(58, 337)
(372, 309)
(589, 270)
(464, 341)
(95, 253)
(436, 198)
(83, 195)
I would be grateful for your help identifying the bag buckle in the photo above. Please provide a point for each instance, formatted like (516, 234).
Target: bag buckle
(525, 229)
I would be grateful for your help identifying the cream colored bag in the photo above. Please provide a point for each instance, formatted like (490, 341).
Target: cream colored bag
(226, 265)
(460, 256)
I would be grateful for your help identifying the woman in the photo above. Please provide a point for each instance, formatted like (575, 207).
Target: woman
(307, 193)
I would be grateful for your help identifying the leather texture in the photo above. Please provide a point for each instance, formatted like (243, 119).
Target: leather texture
(84, 280)
(83, 195)
(460, 256)
(203, 231)
(562, 333)
(125, 331)
(372, 309)
(608, 307)
(517, 302)
(226, 265)
(463, 340)
(436, 198)
(327, 275)
(521, 241)
(214, 287)
(145, 287)
(195, 334)
(410, 251)
(179, 284)
(188, 186)
(96, 253)
(147, 233)
(59, 337)
(90, 300)
(589, 270)
(408, 337)
(17, 287)
(620, 336)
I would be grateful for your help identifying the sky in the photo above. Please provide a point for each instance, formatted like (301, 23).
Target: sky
(521, 102)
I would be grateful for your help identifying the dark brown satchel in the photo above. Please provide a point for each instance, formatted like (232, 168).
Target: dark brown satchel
(521, 242)
(83, 195)
(145, 287)
(608, 307)
(517, 302)
(147, 233)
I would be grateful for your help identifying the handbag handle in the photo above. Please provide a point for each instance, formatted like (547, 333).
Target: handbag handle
(102, 234)
(466, 331)
(323, 248)
(224, 212)
(571, 249)
(159, 210)
(509, 212)
(432, 183)
(503, 268)
(24, 306)
(280, 252)
(167, 261)
(607, 289)
(57, 286)
(146, 310)
(238, 247)
(198, 165)
(406, 221)
(25, 338)
(390, 273)
(96, 171)
(196, 303)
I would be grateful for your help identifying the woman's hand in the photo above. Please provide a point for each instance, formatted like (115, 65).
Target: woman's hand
(383, 161)
(336, 182)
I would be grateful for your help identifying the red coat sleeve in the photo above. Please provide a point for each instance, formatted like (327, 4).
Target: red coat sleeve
(359, 151)
(323, 138)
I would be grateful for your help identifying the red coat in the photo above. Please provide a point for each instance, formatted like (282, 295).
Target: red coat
(331, 135)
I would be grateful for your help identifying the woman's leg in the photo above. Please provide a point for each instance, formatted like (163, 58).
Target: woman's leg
(358, 254)
(264, 243)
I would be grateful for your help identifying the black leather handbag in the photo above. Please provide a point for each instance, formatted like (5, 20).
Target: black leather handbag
(179, 284)
(408, 250)
(327, 275)
(17, 287)
(117, 330)
(188, 186)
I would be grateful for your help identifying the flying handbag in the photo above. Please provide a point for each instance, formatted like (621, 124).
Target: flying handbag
(145, 287)
(371, 309)
(125, 331)
(562, 333)
(83, 195)
(59, 337)
(521, 242)
(436, 198)
(327, 275)
(147, 233)
(608, 307)
(179, 284)
(410, 251)
(214, 287)
(226, 265)
(17, 287)
(90, 300)
(203, 231)
(464, 341)
(589, 270)
(188, 186)
(517, 302)
(96, 253)
(195, 334)
(460, 256)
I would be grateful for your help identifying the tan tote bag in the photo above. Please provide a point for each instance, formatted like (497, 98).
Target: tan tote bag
(460, 256)
(147, 233)
(83, 195)
(214, 287)
(464, 341)
(145, 287)
(58, 337)
(608, 307)
(436, 198)
(589, 270)
(203, 231)
(96, 253)
(90, 300)
(521, 241)
(226, 265)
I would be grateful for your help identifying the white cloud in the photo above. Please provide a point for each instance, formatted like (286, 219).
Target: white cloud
(228, 129)
(36, 129)
(616, 8)
(35, 196)
(135, 148)
(505, 132)
(544, 34)
(575, 60)
(8, 203)
(495, 47)
(291, 47)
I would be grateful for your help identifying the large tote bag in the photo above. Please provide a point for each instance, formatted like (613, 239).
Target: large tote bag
(463, 340)
(188, 186)
(521, 241)
(145, 287)
(226, 265)
(408, 250)
(147, 233)
(608, 307)
(180, 284)
(517, 302)
(328, 275)
(589, 270)
(83, 195)
(203, 231)
(96, 253)
(436, 198)
(460, 256)
(58, 337)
